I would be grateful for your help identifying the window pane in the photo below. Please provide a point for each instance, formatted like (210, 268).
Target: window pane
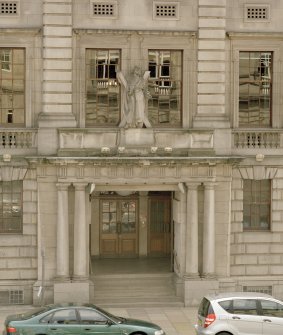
(256, 204)
(11, 207)
(102, 89)
(271, 308)
(12, 86)
(164, 107)
(255, 79)
(244, 306)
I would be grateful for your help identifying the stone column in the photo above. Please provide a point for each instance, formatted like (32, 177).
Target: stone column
(191, 270)
(209, 231)
(62, 271)
(80, 234)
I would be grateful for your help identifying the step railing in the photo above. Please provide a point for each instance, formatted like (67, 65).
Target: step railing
(256, 139)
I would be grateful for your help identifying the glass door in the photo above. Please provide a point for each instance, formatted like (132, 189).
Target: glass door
(118, 227)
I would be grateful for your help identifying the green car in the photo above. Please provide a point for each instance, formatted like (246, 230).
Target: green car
(68, 319)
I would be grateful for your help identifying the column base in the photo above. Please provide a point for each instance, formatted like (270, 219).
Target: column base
(78, 292)
(62, 279)
(191, 276)
(208, 276)
(196, 289)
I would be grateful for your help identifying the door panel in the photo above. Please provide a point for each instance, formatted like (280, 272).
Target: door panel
(160, 225)
(118, 227)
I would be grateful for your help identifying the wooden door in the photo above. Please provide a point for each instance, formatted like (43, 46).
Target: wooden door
(118, 227)
(160, 225)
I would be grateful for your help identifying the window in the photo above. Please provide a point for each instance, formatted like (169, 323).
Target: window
(102, 89)
(257, 204)
(164, 106)
(11, 206)
(12, 87)
(255, 89)
(88, 316)
(65, 316)
(245, 306)
(271, 308)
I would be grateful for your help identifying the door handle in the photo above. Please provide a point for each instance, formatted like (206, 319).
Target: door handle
(266, 320)
(53, 328)
(236, 318)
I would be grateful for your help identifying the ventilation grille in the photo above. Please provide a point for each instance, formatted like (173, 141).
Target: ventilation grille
(258, 289)
(257, 12)
(12, 297)
(104, 9)
(166, 10)
(8, 8)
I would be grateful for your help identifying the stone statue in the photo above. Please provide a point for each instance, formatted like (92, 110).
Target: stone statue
(134, 98)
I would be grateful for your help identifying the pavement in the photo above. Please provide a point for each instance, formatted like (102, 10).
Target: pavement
(173, 320)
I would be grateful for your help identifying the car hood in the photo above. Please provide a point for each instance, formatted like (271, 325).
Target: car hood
(141, 323)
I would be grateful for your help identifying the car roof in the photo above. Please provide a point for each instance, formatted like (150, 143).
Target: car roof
(227, 295)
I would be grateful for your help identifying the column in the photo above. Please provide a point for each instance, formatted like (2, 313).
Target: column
(209, 231)
(80, 234)
(62, 271)
(192, 231)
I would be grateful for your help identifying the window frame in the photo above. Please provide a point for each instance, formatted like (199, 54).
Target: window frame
(29, 41)
(20, 217)
(255, 42)
(159, 76)
(259, 203)
(106, 80)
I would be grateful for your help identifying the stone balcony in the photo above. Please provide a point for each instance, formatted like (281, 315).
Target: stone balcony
(18, 141)
(134, 142)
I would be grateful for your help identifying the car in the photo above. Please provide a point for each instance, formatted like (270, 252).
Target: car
(71, 318)
(240, 313)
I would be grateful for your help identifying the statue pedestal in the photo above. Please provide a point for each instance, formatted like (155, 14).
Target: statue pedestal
(136, 137)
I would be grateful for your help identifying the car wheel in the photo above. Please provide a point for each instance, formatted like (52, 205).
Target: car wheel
(224, 333)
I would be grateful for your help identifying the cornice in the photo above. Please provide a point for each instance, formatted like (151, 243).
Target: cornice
(252, 35)
(22, 31)
(79, 31)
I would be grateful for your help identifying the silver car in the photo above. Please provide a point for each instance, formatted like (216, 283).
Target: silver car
(242, 313)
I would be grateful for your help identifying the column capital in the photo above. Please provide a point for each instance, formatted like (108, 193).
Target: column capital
(80, 186)
(192, 185)
(62, 186)
(209, 185)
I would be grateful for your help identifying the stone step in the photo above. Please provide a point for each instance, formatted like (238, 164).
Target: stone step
(135, 290)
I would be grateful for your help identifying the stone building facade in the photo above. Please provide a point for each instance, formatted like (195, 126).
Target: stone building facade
(201, 182)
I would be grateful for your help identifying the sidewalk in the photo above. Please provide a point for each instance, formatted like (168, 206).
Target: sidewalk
(173, 320)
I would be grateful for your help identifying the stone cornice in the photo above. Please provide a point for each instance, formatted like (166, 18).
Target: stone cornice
(138, 32)
(252, 35)
(21, 31)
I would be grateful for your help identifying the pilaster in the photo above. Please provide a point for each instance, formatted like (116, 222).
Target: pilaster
(211, 64)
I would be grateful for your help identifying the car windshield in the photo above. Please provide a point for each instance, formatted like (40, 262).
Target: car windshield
(34, 312)
(115, 318)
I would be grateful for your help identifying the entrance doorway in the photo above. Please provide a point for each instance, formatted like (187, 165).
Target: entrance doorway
(118, 227)
(160, 224)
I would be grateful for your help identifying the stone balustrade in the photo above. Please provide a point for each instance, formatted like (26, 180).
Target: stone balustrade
(257, 139)
(18, 138)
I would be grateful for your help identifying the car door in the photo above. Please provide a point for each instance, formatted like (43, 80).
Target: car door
(272, 313)
(62, 322)
(244, 317)
(95, 323)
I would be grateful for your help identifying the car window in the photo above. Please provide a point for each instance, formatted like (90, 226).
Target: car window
(205, 308)
(89, 316)
(47, 318)
(271, 308)
(227, 305)
(244, 306)
(64, 316)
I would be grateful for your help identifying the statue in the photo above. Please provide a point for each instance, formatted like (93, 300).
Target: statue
(134, 97)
